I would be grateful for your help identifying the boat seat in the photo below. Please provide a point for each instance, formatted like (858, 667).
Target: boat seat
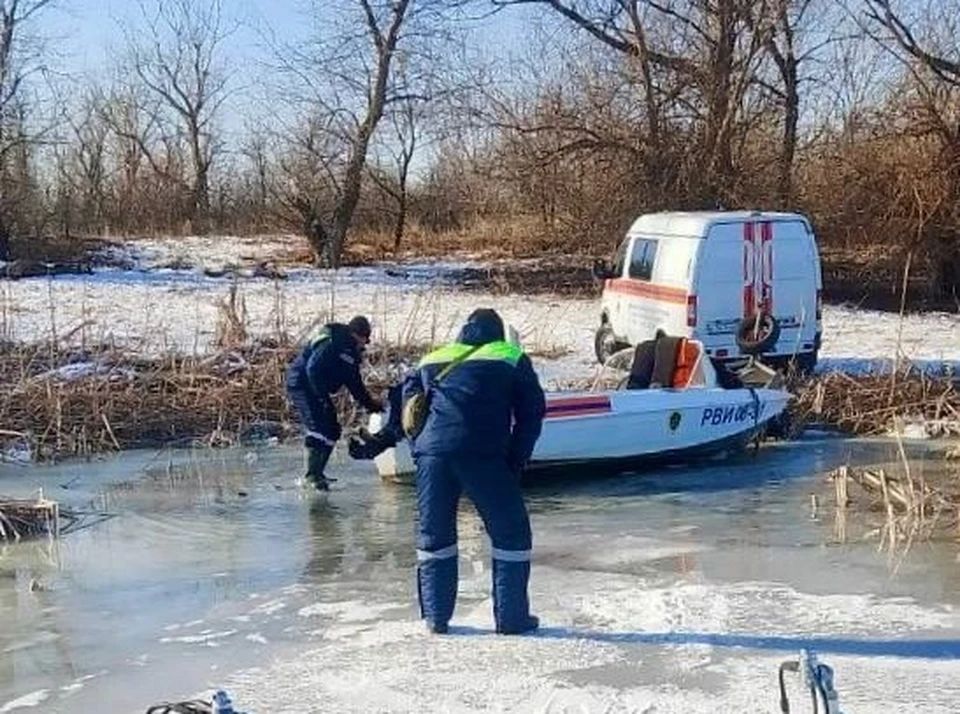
(687, 356)
(654, 362)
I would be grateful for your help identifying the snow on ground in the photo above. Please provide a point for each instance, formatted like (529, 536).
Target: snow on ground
(173, 310)
(161, 309)
(620, 645)
(217, 252)
(204, 252)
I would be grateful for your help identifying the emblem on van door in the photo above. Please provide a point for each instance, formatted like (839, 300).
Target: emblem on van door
(675, 421)
(757, 268)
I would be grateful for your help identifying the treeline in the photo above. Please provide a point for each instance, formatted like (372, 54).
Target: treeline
(392, 118)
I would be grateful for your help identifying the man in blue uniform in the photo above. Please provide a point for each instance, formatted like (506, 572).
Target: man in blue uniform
(330, 360)
(484, 419)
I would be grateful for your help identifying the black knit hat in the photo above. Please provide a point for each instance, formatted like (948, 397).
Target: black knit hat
(482, 326)
(360, 326)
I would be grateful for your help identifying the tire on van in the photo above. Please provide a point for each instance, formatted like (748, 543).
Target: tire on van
(757, 334)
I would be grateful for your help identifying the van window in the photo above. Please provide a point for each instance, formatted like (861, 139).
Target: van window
(621, 258)
(642, 257)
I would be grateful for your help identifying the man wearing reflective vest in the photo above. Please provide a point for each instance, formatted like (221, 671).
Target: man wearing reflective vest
(484, 419)
(329, 361)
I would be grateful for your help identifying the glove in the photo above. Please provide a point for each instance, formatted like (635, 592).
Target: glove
(358, 450)
(371, 446)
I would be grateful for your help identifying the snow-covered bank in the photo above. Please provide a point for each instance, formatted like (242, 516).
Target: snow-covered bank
(159, 310)
(206, 252)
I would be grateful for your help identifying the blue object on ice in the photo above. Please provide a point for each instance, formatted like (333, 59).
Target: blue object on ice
(221, 704)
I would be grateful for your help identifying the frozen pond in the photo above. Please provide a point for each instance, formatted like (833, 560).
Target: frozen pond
(675, 591)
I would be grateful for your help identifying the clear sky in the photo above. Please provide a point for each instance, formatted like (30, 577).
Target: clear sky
(87, 34)
(88, 28)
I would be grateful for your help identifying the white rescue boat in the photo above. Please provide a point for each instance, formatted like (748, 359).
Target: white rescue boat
(618, 429)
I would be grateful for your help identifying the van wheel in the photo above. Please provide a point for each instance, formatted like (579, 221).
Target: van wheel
(757, 334)
(605, 343)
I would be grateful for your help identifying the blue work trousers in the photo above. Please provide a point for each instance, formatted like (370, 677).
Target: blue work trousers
(495, 492)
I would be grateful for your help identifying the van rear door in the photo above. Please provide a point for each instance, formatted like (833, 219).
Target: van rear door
(770, 264)
(718, 285)
(795, 278)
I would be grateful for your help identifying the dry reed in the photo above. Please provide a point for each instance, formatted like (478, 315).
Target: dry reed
(61, 403)
(24, 518)
(871, 405)
(910, 509)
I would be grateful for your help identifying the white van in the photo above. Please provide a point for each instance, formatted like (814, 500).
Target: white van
(740, 282)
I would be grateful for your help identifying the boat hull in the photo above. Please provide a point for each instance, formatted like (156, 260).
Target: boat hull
(625, 430)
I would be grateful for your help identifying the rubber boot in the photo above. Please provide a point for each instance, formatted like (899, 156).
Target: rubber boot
(317, 458)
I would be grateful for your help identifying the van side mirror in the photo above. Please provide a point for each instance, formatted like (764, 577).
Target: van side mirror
(602, 271)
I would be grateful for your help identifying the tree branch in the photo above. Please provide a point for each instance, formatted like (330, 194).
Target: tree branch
(881, 13)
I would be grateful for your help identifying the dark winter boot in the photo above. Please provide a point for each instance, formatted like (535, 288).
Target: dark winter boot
(528, 624)
(437, 592)
(317, 458)
(511, 604)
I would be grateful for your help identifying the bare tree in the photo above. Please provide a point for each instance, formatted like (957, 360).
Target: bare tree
(176, 57)
(255, 148)
(131, 140)
(375, 44)
(624, 26)
(697, 61)
(565, 146)
(931, 53)
(84, 167)
(342, 83)
(306, 181)
(394, 181)
(781, 45)
(795, 33)
(18, 59)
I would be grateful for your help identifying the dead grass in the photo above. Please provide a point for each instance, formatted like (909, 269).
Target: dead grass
(58, 401)
(484, 239)
(870, 405)
(116, 400)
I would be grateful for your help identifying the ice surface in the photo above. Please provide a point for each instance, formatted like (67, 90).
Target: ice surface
(611, 643)
(33, 699)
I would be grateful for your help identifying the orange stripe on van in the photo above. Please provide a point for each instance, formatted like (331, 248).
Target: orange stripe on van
(663, 293)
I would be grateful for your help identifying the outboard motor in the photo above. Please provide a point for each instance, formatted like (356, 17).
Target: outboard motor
(817, 678)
